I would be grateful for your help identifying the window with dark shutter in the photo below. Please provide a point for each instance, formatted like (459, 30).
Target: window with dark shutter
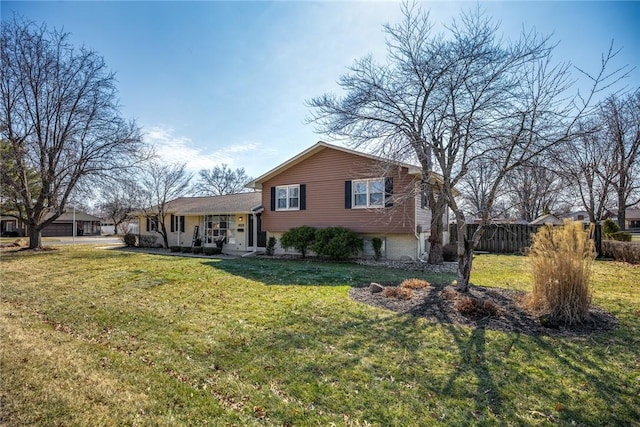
(388, 192)
(173, 222)
(303, 197)
(273, 198)
(347, 194)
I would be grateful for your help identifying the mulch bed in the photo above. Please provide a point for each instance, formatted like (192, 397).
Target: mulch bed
(438, 303)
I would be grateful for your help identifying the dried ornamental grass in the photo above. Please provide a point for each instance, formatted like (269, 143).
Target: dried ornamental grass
(561, 259)
(475, 307)
(414, 284)
(397, 292)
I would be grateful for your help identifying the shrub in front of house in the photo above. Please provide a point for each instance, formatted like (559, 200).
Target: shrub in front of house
(174, 248)
(271, 246)
(561, 258)
(376, 242)
(185, 249)
(148, 241)
(299, 238)
(621, 236)
(212, 251)
(130, 239)
(337, 243)
(197, 249)
(609, 227)
(621, 251)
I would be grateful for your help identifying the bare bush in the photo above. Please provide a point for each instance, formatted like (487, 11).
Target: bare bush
(397, 292)
(475, 307)
(622, 251)
(414, 284)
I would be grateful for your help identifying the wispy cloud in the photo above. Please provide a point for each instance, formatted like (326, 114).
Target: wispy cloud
(173, 148)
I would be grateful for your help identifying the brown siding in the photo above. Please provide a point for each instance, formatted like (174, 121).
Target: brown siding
(324, 174)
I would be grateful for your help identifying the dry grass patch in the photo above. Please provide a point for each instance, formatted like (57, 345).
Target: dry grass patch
(475, 307)
(414, 284)
(397, 292)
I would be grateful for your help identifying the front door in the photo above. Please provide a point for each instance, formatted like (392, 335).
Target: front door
(262, 236)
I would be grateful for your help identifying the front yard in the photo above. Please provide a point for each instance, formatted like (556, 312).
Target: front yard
(106, 337)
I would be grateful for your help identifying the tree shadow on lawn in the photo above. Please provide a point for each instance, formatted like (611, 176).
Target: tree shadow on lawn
(476, 363)
(301, 272)
(472, 374)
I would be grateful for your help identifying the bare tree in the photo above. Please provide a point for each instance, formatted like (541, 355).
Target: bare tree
(475, 187)
(118, 200)
(471, 97)
(161, 183)
(220, 180)
(588, 166)
(59, 122)
(387, 106)
(533, 190)
(621, 133)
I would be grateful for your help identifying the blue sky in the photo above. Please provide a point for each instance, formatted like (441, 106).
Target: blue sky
(226, 82)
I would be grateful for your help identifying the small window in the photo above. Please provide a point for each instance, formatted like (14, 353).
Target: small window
(152, 223)
(177, 223)
(368, 193)
(288, 197)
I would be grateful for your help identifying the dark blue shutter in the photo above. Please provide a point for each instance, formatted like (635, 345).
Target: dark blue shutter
(148, 226)
(347, 194)
(388, 192)
(182, 224)
(303, 197)
(173, 219)
(273, 198)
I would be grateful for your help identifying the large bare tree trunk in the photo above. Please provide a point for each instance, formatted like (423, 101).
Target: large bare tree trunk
(465, 258)
(35, 237)
(622, 201)
(437, 227)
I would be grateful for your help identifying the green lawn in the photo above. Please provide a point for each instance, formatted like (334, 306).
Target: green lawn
(107, 337)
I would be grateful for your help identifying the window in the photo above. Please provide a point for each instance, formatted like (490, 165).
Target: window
(177, 223)
(368, 193)
(218, 228)
(288, 197)
(152, 223)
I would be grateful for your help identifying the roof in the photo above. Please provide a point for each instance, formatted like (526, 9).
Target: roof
(69, 215)
(227, 204)
(317, 147)
(546, 219)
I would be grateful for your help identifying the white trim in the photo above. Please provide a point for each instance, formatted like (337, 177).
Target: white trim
(288, 197)
(368, 193)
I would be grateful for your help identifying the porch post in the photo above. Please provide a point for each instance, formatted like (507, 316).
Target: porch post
(255, 231)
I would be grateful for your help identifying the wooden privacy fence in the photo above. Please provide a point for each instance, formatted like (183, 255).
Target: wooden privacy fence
(508, 238)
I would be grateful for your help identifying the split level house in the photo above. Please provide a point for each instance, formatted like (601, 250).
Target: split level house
(324, 186)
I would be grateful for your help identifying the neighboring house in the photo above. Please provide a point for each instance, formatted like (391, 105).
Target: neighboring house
(107, 227)
(582, 216)
(500, 220)
(231, 220)
(546, 219)
(631, 220)
(63, 225)
(11, 226)
(330, 186)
